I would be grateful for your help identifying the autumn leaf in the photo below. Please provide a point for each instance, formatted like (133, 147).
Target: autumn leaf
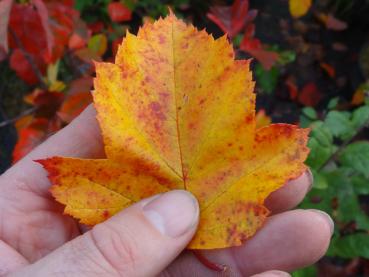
(329, 69)
(23, 68)
(44, 18)
(253, 46)
(29, 137)
(299, 8)
(119, 12)
(232, 19)
(31, 132)
(331, 22)
(310, 95)
(177, 111)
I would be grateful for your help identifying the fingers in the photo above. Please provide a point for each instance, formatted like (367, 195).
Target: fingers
(10, 260)
(288, 241)
(140, 241)
(290, 195)
(81, 138)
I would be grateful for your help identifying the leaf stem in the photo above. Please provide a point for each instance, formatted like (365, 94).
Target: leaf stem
(12, 120)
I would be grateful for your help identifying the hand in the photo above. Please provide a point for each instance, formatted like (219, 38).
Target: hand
(36, 239)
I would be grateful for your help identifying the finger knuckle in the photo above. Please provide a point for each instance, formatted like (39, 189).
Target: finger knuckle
(117, 247)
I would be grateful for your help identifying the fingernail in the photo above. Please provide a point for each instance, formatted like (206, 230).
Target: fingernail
(327, 218)
(276, 273)
(273, 273)
(310, 177)
(173, 213)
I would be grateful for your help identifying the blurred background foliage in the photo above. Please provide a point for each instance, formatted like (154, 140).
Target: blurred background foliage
(310, 63)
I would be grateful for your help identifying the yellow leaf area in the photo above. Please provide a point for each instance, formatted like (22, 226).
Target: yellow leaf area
(299, 8)
(177, 111)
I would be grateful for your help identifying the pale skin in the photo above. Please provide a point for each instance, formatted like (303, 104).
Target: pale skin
(38, 240)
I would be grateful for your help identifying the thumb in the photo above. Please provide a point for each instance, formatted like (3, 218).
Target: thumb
(142, 240)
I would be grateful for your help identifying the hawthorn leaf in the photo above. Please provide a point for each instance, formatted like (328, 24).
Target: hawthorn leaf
(177, 111)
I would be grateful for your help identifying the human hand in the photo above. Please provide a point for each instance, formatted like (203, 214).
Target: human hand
(145, 239)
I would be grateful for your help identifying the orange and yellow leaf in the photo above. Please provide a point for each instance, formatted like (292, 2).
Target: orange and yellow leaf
(177, 111)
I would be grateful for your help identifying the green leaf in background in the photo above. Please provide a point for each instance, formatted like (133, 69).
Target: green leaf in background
(356, 156)
(266, 79)
(360, 185)
(320, 181)
(237, 40)
(339, 124)
(310, 112)
(98, 44)
(360, 116)
(310, 271)
(320, 144)
(356, 245)
(333, 103)
(307, 117)
(348, 203)
(286, 57)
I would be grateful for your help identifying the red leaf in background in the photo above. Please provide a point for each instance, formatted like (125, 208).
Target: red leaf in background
(5, 8)
(65, 19)
(329, 69)
(266, 58)
(23, 68)
(292, 88)
(76, 42)
(331, 22)
(231, 19)
(29, 137)
(73, 105)
(42, 30)
(310, 95)
(115, 45)
(79, 85)
(26, 23)
(44, 16)
(335, 24)
(77, 99)
(118, 12)
(33, 134)
(80, 36)
(96, 27)
(69, 3)
(254, 47)
(48, 103)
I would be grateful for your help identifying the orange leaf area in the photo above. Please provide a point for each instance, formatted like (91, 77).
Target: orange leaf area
(177, 111)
